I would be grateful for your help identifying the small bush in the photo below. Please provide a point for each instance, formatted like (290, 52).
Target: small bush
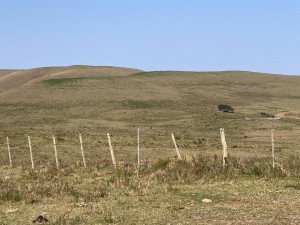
(293, 165)
(226, 108)
(262, 167)
(121, 177)
(199, 141)
(160, 164)
(11, 192)
(266, 115)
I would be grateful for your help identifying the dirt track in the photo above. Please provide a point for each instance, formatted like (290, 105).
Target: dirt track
(283, 114)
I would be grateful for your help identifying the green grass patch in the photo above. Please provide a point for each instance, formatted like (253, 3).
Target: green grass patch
(60, 81)
(72, 81)
(139, 104)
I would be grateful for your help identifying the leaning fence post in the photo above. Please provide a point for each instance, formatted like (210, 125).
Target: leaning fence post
(176, 147)
(273, 148)
(8, 149)
(81, 147)
(224, 146)
(55, 153)
(111, 151)
(138, 147)
(30, 150)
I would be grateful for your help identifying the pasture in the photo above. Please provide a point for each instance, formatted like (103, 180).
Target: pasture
(94, 101)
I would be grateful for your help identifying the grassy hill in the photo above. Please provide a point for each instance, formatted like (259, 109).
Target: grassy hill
(66, 101)
(16, 79)
(95, 100)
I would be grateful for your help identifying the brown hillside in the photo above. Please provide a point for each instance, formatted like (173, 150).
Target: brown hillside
(6, 72)
(11, 80)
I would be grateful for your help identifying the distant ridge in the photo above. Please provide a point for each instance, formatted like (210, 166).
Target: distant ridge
(14, 79)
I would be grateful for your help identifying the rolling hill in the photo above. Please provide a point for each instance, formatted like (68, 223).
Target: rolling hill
(15, 79)
(66, 101)
(95, 100)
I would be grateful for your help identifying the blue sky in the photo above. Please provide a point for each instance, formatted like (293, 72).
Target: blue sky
(194, 35)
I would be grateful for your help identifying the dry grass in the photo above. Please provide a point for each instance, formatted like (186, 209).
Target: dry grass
(96, 100)
(6, 72)
(16, 79)
(167, 191)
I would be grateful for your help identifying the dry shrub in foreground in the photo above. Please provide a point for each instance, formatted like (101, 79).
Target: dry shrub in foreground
(208, 168)
(90, 184)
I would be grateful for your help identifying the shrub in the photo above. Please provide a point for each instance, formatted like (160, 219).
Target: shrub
(226, 108)
(267, 115)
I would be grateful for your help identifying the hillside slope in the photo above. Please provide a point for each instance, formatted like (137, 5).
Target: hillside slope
(11, 80)
(95, 100)
(5, 72)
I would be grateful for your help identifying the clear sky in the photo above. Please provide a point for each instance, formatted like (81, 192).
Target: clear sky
(197, 35)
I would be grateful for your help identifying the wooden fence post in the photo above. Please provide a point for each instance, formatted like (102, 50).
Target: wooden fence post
(138, 147)
(81, 147)
(224, 146)
(30, 150)
(176, 147)
(273, 148)
(111, 151)
(8, 149)
(55, 153)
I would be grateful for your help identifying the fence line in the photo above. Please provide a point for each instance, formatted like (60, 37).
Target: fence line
(223, 142)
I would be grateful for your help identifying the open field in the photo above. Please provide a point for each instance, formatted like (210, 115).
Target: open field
(66, 101)
(168, 192)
